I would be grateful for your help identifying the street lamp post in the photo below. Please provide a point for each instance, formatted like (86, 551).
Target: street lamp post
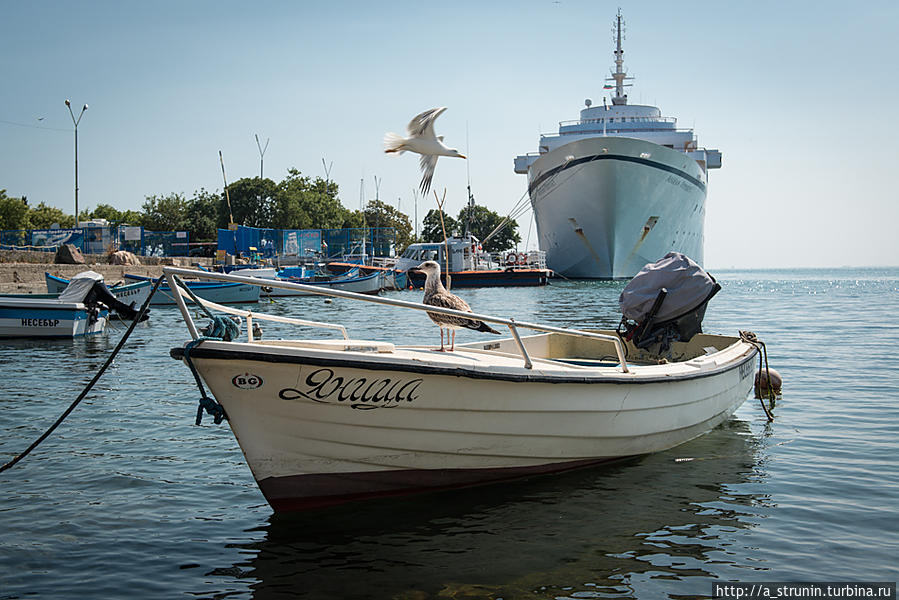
(75, 122)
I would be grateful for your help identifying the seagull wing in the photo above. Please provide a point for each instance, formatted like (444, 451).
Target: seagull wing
(423, 125)
(428, 163)
(447, 300)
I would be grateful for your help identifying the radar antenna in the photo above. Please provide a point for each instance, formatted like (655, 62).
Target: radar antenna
(619, 75)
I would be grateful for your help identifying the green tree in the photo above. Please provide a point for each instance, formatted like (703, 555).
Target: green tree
(204, 210)
(43, 217)
(165, 213)
(105, 211)
(306, 203)
(378, 214)
(483, 222)
(253, 203)
(13, 212)
(430, 226)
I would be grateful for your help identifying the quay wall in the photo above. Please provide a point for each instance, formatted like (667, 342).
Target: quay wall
(22, 272)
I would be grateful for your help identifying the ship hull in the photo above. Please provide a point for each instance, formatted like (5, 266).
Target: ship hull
(607, 206)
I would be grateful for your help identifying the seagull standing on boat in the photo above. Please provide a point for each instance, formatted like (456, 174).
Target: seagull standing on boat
(423, 141)
(436, 295)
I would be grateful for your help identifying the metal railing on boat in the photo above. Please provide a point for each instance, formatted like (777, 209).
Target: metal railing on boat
(511, 323)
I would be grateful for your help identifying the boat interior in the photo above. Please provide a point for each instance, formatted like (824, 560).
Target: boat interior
(593, 352)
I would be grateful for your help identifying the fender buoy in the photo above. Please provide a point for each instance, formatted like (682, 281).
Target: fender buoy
(511, 258)
(762, 382)
(522, 258)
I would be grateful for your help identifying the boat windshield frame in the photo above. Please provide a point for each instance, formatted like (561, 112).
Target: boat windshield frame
(170, 274)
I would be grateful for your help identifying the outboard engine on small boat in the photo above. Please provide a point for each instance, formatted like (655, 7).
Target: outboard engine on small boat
(665, 302)
(90, 289)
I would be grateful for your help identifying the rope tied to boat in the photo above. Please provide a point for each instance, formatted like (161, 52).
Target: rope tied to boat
(206, 404)
(219, 329)
(751, 338)
(137, 319)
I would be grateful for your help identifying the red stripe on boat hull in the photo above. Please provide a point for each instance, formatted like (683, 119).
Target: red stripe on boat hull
(304, 492)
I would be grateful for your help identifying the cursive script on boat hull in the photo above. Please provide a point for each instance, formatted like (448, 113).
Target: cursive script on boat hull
(365, 393)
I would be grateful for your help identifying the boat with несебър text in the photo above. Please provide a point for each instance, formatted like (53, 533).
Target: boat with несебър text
(81, 309)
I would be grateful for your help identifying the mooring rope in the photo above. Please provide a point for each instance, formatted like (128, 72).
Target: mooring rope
(750, 338)
(124, 338)
(220, 328)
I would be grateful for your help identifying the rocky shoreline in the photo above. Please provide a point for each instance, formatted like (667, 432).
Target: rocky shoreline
(23, 272)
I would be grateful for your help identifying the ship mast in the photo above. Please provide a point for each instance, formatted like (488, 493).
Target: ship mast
(619, 75)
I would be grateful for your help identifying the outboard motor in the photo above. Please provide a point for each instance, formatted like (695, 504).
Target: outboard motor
(90, 289)
(665, 302)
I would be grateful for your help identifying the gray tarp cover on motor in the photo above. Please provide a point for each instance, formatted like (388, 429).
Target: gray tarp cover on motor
(79, 286)
(687, 284)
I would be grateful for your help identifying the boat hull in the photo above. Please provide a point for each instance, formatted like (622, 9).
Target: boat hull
(48, 318)
(319, 428)
(490, 278)
(607, 206)
(220, 293)
(130, 293)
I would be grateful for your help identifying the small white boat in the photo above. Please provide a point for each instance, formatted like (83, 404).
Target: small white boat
(329, 421)
(128, 293)
(82, 308)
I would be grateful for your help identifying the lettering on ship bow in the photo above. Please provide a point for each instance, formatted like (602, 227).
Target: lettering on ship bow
(324, 386)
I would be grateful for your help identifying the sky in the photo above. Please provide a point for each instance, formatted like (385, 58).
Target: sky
(800, 98)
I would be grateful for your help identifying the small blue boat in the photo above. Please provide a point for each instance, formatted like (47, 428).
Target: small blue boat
(134, 294)
(350, 281)
(220, 293)
(82, 308)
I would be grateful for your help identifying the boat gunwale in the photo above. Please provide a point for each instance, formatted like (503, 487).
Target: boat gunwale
(171, 274)
(338, 358)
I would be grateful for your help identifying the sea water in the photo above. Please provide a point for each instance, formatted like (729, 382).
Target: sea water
(128, 498)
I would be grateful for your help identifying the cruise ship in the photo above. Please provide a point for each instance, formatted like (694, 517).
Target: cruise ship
(618, 188)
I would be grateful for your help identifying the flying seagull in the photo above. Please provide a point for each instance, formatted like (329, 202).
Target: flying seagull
(422, 141)
(436, 295)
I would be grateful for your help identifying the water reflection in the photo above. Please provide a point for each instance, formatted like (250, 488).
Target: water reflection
(592, 533)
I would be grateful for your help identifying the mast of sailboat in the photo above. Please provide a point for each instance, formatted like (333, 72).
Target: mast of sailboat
(362, 208)
(468, 177)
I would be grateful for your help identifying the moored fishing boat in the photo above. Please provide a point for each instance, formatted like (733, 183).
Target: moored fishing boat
(470, 266)
(128, 293)
(329, 421)
(351, 281)
(214, 291)
(82, 308)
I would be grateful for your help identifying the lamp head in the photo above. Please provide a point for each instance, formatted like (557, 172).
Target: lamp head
(68, 103)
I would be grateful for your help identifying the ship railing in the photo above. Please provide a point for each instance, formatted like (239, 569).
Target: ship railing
(609, 121)
(172, 273)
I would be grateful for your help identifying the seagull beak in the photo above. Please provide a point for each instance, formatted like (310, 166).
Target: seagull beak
(462, 156)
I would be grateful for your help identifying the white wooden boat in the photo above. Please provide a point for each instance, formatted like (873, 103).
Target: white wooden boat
(328, 421)
(128, 293)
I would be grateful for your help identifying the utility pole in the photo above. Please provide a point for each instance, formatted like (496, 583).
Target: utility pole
(261, 152)
(75, 123)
